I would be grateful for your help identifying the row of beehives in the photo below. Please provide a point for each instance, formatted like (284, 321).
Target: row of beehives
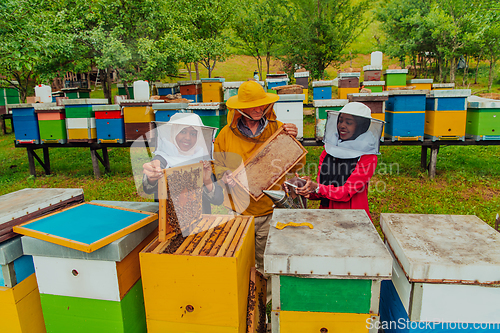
(436, 273)
(417, 114)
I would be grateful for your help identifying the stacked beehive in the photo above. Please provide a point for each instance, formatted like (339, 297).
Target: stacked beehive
(483, 118)
(80, 118)
(405, 115)
(290, 109)
(375, 101)
(325, 278)
(211, 114)
(137, 116)
(230, 89)
(163, 111)
(373, 73)
(8, 96)
(109, 123)
(276, 80)
(51, 123)
(212, 90)
(302, 78)
(348, 84)
(446, 114)
(164, 89)
(76, 93)
(395, 78)
(322, 106)
(20, 307)
(92, 290)
(445, 274)
(25, 122)
(322, 90)
(191, 90)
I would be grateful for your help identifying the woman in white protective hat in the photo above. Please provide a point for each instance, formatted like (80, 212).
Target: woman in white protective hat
(352, 139)
(181, 141)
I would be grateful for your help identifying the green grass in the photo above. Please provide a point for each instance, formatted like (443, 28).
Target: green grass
(467, 181)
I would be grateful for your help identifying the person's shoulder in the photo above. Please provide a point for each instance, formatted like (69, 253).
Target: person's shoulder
(368, 158)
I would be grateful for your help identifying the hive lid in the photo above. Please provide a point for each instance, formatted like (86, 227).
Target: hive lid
(373, 83)
(283, 79)
(301, 74)
(291, 98)
(328, 83)
(343, 243)
(213, 79)
(416, 81)
(115, 251)
(396, 71)
(372, 68)
(76, 89)
(135, 102)
(10, 250)
(87, 226)
(449, 93)
(166, 85)
(476, 102)
(232, 85)
(321, 103)
(367, 97)
(408, 92)
(348, 75)
(187, 83)
(22, 105)
(443, 248)
(110, 107)
(82, 101)
(206, 106)
(443, 85)
(169, 106)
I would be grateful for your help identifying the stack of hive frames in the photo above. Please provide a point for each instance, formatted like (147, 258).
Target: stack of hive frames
(109, 123)
(80, 118)
(51, 123)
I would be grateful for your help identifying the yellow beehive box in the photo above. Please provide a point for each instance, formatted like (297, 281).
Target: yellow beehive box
(342, 92)
(212, 90)
(138, 114)
(203, 285)
(82, 133)
(300, 322)
(306, 94)
(20, 308)
(379, 116)
(445, 124)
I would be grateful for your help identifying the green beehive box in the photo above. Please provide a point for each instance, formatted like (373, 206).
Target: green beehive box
(13, 100)
(483, 118)
(395, 77)
(122, 91)
(52, 130)
(84, 111)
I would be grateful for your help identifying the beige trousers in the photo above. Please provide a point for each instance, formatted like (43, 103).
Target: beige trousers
(262, 224)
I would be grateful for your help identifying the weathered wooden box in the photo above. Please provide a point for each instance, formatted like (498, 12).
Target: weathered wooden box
(190, 88)
(203, 285)
(445, 274)
(325, 279)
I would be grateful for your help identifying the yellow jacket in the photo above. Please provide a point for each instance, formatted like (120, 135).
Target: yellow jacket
(231, 148)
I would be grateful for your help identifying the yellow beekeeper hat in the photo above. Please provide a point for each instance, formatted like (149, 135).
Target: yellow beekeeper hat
(251, 94)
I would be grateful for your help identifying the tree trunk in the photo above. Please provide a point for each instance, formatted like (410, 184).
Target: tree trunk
(108, 81)
(466, 71)
(490, 76)
(188, 66)
(477, 69)
(197, 70)
(125, 85)
(268, 61)
(453, 69)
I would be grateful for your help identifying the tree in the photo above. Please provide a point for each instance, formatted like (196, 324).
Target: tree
(491, 40)
(259, 27)
(320, 31)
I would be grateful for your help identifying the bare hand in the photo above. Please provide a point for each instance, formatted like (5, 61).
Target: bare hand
(207, 174)
(308, 188)
(152, 170)
(227, 178)
(291, 129)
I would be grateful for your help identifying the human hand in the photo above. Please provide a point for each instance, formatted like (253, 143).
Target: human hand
(227, 178)
(152, 170)
(308, 188)
(207, 174)
(291, 129)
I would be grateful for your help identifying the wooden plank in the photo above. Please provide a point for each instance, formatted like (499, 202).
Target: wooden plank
(229, 238)
(163, 245)
(187, 241)
(219, 227)
(269, 152)
(249, 220)
(222, 237)
(206, 222)
(252, 302)
(206, 236)
(236, 239)
(163, 228)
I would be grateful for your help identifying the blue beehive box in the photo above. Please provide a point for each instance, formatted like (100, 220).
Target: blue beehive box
(405, 115)
(163, 111)
(11, 253)
(110, 130)
(167, 88)
(447, 100)
(406, 100)
(194, 98)
(322, 89)
(25, 122)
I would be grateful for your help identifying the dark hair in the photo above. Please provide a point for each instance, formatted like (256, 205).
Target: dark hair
(362, 125)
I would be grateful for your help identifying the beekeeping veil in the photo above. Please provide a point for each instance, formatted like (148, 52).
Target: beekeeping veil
(365, 138)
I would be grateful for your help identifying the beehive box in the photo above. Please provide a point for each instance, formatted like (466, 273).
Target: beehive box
(290, 109)
(280, 149)
(212, 90)
(325, 279)
(123, 92)
(81, 129)
(276, 82)
(483, 119)
(230, 89)
(420, 84)
(25, 121)
(375, 101)
(395, 77)
(163, 111)
(191, 90)
(211, 114)
(302, 78)
(447, 100)
(202, 285)
(9, 96)
(445, 273)
(82, 107)
(374, 86)
(322, 89)
(443, 86)
(138, 111)
(372, 73)
(94, 291)
(164, 89)
(322, 106)
(405, 115)
(76, 93)
(109, 123)
(51, 123)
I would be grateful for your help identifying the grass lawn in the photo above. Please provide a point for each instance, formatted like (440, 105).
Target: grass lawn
(467, 181)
